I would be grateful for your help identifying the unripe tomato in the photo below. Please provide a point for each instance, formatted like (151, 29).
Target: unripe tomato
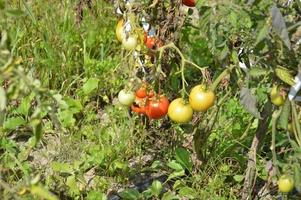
(285, 184)
(179, 111)
(120, 34)
(126, 98)
(276, 98)
(200, 99)
(157, 107)
(190, 3)
(129, 43)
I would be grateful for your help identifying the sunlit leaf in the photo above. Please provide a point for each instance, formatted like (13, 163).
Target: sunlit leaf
(284, 116)
(42, 193)
(90, 85)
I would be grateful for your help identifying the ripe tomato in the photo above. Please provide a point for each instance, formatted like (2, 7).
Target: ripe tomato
(141, 92)
(126, 98)
(130, 42)
(200, 99)
(157, 107)
(190, 3)
(179, 111)
(120, 34)
(285, 184)
(150, 42)
(276, 98)
(137, 109)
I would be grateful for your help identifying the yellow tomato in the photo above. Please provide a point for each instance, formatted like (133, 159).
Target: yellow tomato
(285, 184)
(275, 96)
(200, 99)
(120, 34)
(179, 111)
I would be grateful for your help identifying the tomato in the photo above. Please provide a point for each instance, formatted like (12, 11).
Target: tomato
(190, 3)
(141, 92)
(126, 98)
(157, 107)
(120, 34)
(130, 42)
(200, 99)
(285, 184)
(276, 98)
(150, 42)
(137, 109)
(179, 111)
(151, 93)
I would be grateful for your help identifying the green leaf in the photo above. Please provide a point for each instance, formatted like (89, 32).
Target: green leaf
(42, 193)
(90, 85)
(13, 123)
(188, 193)
(169, 196)
(62, 167)
(284, 116)
(238, 178)
(71, 183)
(37, 127)
(257, 71)
(279, 26)
(14, 13)
(25, 105)
(130, 194)
(95, 195)
(74, 105)
(174, 165)
(263, 33)
(249, 102)
(297, 176)
(285, 75)
(156, 188)
(183, 157)
(176, 174)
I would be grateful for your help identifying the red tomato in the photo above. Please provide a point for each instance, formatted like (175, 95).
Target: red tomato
(150, 42)
(137, 109)
(157, 107)
(151, 93)
(141, 92)
(190, 3)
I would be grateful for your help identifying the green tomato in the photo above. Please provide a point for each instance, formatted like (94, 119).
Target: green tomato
(130, 42)
(126, 98)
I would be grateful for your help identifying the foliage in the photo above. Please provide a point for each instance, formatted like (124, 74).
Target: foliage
(64, 135)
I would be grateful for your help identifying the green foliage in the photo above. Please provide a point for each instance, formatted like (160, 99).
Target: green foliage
(64, 136)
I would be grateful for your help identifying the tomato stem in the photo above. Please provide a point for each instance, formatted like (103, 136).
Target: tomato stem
(220, 77)
(183, 62)
(275, 117)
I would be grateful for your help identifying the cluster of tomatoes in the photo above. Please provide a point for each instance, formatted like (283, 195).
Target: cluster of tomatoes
(144, 101)
(130, 37)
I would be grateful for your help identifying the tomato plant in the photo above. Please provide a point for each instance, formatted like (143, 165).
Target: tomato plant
(157, 107)
(200, 99)
(179, 111)
(285, 184)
